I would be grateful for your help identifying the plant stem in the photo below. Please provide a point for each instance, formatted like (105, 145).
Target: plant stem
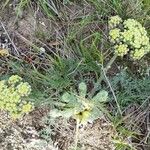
(109, 84)
(102, 74)
(110, 63)
(76, 134)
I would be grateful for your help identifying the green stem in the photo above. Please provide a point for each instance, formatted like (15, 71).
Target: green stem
(115, 98)
(102, 75)
(110, 63)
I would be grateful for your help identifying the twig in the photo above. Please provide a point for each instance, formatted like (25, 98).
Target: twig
(10, 38)
(26, 40)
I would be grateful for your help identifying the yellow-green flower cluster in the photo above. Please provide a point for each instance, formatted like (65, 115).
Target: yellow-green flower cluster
(114, 35)
(138, 53)
(13, 96)
(121, 49)
(114, 21)
(132, 35)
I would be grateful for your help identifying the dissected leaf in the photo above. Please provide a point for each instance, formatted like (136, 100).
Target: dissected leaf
(59, 104)
(95, 114)
(68, 98)
(100, 97)
(67, 113)
(55, 113)
(82, 89)
(78, 108)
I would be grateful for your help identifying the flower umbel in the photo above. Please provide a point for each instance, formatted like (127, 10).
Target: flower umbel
(13, 96)
(121, 49)
(24, 89)
(132, 36)
(114, 21)
(114, 35)
(14, 79)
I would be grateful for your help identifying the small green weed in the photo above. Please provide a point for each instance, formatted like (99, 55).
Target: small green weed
(80, 106)
(129, 89)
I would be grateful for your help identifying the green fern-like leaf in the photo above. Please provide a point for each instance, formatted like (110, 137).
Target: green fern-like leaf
(95, 114)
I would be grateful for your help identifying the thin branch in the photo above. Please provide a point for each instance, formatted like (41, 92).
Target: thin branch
(10, 38)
